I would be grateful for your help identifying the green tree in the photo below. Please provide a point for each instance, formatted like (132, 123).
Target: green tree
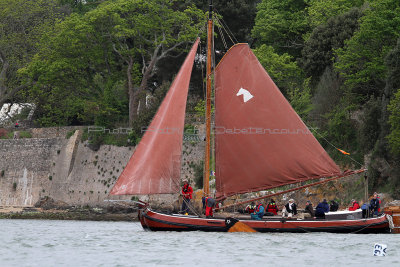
(300, 99)
(320, 11)
(361, 61)
(80, 6)
(151, 30)
(22, 23)
(72, 72)
(326, 97)
(112, 43)
(281, 24)
(282, 68)
(340, 128)
(318, 52)
(394, 121)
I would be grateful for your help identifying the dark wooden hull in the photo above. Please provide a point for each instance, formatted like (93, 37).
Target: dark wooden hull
(156, 221)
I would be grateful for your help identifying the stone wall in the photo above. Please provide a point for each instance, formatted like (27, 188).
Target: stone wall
(63, 169)
(24, 169)
(53, 132)
(67, 170)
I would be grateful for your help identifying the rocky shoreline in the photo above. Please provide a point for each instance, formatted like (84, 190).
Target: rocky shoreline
(49, 209)
(87, 214)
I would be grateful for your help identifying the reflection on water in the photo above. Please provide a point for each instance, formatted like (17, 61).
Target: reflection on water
(86, 243)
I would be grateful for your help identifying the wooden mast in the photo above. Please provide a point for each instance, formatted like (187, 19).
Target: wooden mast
(206, 176)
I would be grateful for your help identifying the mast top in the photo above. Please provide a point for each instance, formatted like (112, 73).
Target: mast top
(210, 9)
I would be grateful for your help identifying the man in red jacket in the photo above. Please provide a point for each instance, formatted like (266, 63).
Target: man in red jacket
(354, 205)
(187, 192)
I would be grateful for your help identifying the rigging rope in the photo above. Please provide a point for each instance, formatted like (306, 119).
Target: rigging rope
(332, 144)
(226, 28)
(202, 30)
(222, 38)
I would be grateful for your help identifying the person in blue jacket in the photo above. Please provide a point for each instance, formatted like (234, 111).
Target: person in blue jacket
(321, 209)
(258, 212)
(374, 205)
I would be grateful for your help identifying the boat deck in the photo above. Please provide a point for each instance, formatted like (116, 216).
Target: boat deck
(336, 215)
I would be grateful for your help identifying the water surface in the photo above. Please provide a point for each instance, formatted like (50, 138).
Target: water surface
(88, 243)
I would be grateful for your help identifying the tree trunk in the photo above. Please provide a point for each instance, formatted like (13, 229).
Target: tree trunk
(3, 75)
(135, 109)
(131, 92)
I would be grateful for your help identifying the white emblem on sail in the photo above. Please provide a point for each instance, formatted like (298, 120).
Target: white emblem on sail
(246, 94)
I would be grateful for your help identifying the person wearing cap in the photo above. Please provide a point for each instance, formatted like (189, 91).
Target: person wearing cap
(321, 209)
(354, 205)
(309, 209)
(209, 204)
(374, 205)
(187, 192)
(290, 209)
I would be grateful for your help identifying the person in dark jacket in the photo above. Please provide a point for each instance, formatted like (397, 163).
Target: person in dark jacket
(334, 206)
(374, 205)
(321, 209)
(309, 208)
(272, 207)
(290, 209)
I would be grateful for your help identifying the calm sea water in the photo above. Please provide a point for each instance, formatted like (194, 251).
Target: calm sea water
(86, 243)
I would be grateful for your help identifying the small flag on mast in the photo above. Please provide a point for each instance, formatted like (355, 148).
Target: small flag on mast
(343, 152)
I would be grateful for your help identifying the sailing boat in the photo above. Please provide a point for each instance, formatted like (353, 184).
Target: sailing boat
(260, 143)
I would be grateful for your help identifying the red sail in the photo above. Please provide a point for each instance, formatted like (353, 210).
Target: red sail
(261, 142)
(154, 168)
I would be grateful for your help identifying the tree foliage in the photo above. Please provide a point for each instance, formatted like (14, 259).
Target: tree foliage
(319, 12)
(317, 53)
(117, 42)
(394, 109)
(281, 24)
(282, 68)
(22, 23)
(361, 61)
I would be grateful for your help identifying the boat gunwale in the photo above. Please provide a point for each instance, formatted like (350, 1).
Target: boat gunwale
(350, 227)
(267, 219)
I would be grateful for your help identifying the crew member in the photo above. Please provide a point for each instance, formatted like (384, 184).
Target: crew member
(272, 207)
(374, 205)
(334, 206)
(258, 212)
(187, 192)
(309, 209)
(250, 208)
(321, 209)
(290, 209)
(209, 205)
(354, 205)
